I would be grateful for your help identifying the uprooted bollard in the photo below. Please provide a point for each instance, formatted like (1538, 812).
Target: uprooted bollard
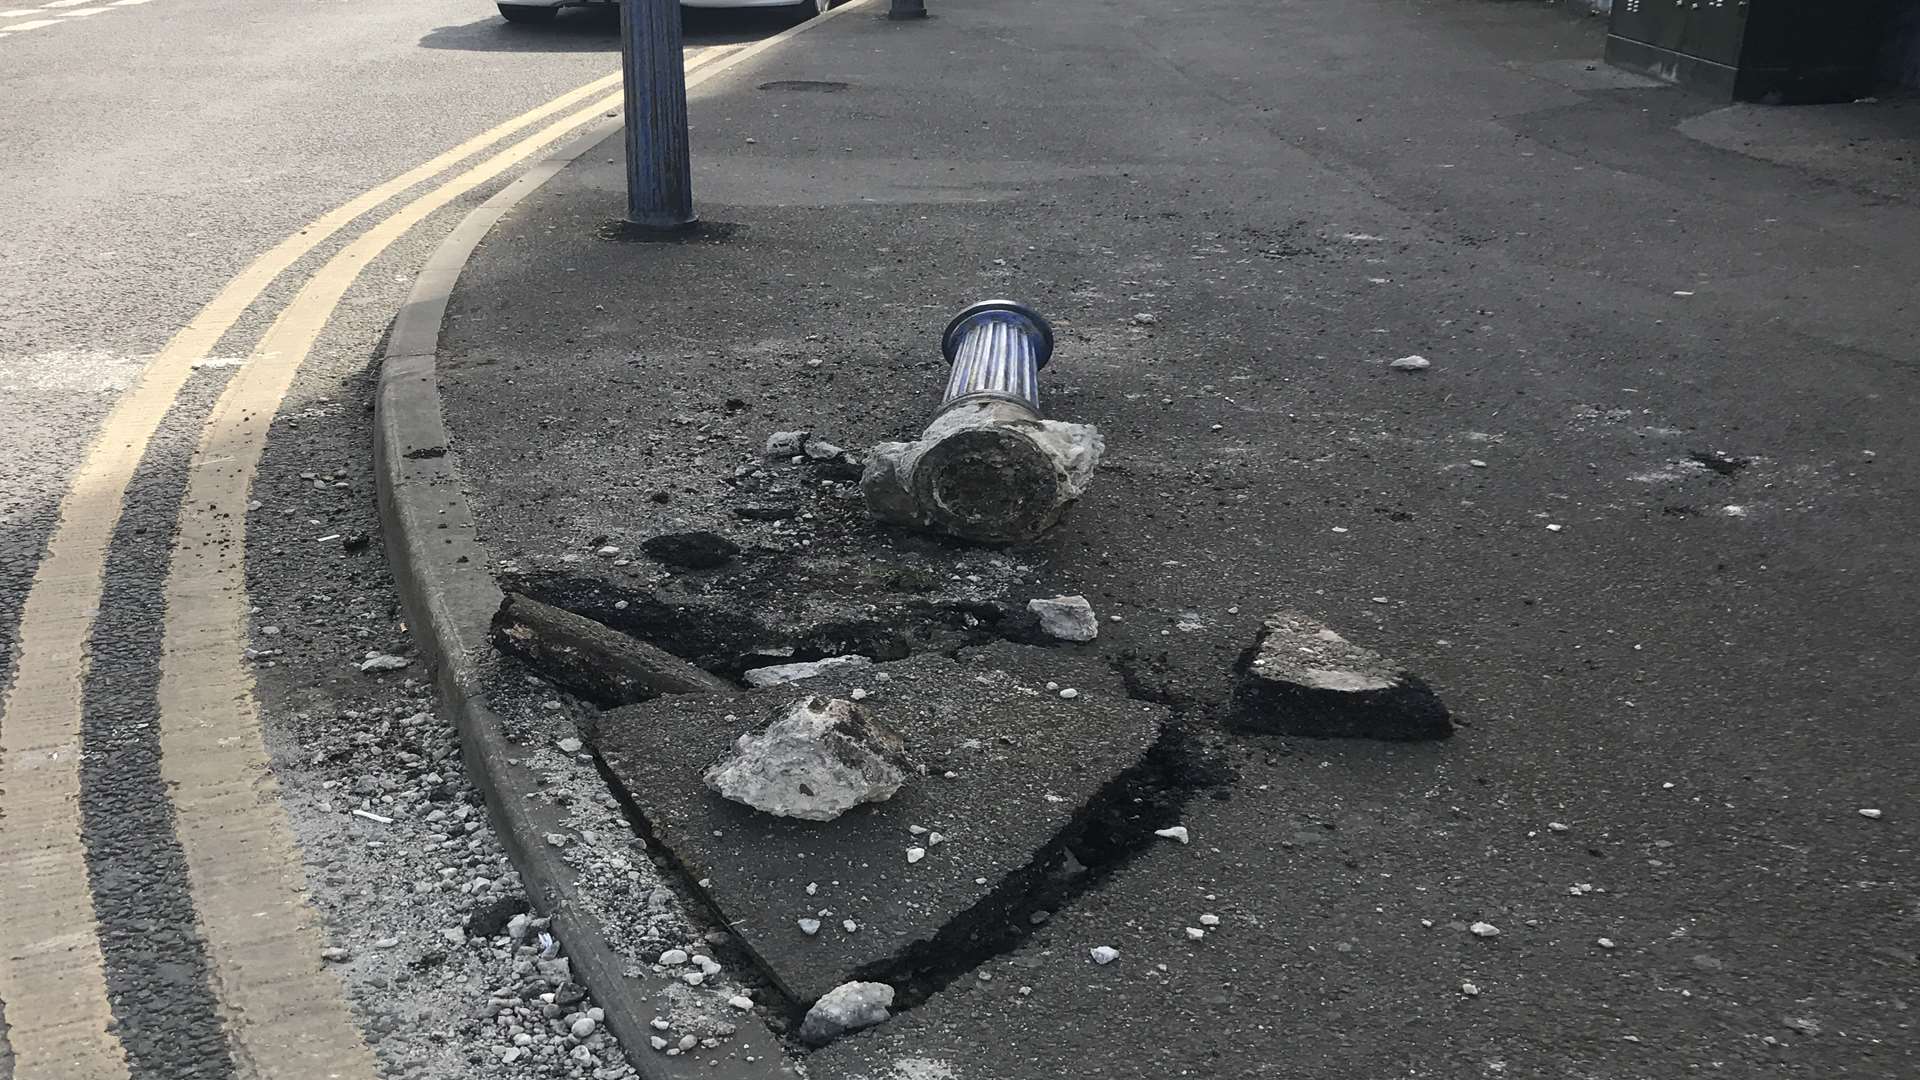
(987, 468)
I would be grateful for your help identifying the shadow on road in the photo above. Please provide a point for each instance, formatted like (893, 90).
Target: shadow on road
(597, 29)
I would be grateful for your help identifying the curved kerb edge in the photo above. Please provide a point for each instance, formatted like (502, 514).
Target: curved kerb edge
(440, 568)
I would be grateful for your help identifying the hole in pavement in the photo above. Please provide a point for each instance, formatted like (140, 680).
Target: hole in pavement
(1114, 826)
(1150, 679)
(721, 635)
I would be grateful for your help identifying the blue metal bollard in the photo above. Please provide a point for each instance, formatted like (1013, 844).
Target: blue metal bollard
(654, 73)
(997, 348)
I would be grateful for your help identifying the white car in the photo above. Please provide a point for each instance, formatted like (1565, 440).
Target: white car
(539, 11)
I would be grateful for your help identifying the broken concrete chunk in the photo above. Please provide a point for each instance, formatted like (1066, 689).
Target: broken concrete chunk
(834, 462)
(698, 550)
(847, 1007)
(1302, 678)
(819, 758)
(984, 470)
(786, 444)
(1069, 618)
(776, 674)
(383, 662)
(594, 661)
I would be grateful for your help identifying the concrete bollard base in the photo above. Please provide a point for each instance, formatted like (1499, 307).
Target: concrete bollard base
(985, 470)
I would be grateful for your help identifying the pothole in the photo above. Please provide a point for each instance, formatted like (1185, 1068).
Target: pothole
(718, 633)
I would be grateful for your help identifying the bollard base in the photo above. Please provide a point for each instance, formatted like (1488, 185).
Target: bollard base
(630, 229)
(623, 231)
(986, 471)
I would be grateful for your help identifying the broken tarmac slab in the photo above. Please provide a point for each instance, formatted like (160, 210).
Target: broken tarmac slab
(592, 660)
(1014, 770)
(1302, 678)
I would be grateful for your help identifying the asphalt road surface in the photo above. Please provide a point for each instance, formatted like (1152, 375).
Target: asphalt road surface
(224, 849)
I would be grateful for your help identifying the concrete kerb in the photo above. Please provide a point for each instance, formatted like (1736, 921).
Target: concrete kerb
(440, 568)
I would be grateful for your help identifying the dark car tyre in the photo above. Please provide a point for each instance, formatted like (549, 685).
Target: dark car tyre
(527, 13)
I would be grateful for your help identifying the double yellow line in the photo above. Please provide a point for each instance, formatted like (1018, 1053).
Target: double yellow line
(285, 1016)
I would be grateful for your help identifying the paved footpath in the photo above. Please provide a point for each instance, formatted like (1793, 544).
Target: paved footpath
(1647, 522)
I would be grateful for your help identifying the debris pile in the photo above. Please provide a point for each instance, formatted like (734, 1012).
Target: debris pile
(804, 448)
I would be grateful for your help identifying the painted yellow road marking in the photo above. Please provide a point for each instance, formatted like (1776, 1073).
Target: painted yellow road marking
(243, 863)
(52, 977)
(285, 1015)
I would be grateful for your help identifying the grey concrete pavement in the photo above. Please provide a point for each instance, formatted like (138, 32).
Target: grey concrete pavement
(1646, 522)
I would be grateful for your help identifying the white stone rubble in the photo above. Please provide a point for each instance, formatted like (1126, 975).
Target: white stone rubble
(818, 759)
(847, 1007)
(776, 674)
(1069, 618)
